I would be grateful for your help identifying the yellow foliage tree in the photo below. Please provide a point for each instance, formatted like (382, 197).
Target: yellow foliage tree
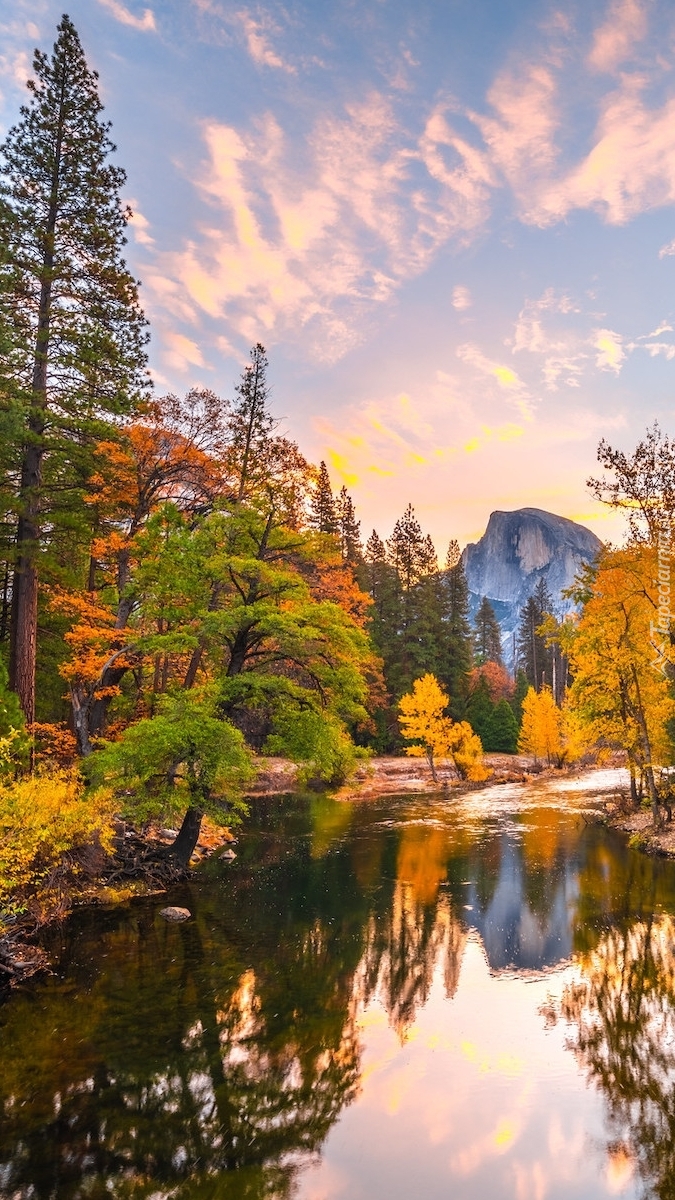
(434, 735)
(619, 652)
(541, 729)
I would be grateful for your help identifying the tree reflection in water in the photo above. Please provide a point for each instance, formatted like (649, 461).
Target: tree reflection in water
(210, 1060)
(623, 1008)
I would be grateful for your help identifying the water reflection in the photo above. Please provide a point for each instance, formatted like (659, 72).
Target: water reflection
(216, 1059)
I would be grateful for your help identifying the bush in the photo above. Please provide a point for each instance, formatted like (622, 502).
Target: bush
(45, 821)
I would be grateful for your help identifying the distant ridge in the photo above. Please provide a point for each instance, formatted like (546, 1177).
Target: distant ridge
(517, 550)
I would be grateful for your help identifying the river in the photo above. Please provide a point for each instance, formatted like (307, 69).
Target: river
(438, 996)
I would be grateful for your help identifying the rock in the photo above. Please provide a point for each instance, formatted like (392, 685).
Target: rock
(515, 552)
(175, 914)
(228, 854)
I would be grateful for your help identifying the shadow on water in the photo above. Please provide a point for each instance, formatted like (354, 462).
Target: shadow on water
(213, 1058)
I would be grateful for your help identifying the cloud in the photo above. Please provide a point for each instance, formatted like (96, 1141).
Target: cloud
(521, 135)
(146, 23)
(461, 298)
(615, 40)
(308, 246)
(609, 346)
(140, 226)
(506, 378)
(668, 249)
(256, 31)
(627, 164)
(181, 353)
(540, 330)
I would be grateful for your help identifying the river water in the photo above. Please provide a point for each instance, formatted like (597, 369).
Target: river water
(433, 997)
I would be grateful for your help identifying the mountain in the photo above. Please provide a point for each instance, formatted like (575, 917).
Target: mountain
(516, 550)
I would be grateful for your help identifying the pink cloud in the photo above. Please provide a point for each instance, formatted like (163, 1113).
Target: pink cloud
(144, 23)
(624, 26)
(310, 248)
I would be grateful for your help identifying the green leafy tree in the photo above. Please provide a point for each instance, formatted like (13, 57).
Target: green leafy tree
(520, 692)
(74, 332)
(186, 758)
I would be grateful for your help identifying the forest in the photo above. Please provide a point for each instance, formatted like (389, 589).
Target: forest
(185, 595)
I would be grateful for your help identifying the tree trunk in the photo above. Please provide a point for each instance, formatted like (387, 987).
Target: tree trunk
(23, 642)
(81, 703)
(188, 836)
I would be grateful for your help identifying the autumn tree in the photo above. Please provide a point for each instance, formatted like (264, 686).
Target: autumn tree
(75, 347)
(423, 720)
(620, 661)
(540, 731)
(641, 484)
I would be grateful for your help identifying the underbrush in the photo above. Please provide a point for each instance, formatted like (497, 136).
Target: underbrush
(52, 832)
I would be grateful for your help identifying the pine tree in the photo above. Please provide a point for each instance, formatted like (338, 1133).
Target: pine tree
(535, 658)
(487, 635)
(322, 507)
(411, 553)
(479, 711)
(458, 639)
(349, 529)
(501, 735)
(250, 428)
(69, 306)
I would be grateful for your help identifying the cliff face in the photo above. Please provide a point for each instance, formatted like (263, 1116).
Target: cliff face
(519, 548)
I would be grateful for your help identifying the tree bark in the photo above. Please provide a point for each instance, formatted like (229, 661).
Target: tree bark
(23, 643)
(188, 836)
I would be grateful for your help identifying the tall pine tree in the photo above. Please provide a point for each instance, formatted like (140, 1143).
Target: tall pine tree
(349, 529)
(322, 513)
(458, 639)
(487, 635)
(535, 658)
(74, 331)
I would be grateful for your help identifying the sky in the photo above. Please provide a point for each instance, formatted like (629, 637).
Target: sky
(451, 223)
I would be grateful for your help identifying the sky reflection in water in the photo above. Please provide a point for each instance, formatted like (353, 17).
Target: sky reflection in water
(409, 997)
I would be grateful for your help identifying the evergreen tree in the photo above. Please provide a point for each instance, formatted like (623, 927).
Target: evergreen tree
(534, 657)
(458, 639)
(521, 690)
(487, 635)
(408, 550)
(349, 529)
(479, 711)
(251, 427)
(72, 326)
(322, 508)
(501, 735)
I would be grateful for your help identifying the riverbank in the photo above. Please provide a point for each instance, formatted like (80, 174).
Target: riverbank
(640, 829)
